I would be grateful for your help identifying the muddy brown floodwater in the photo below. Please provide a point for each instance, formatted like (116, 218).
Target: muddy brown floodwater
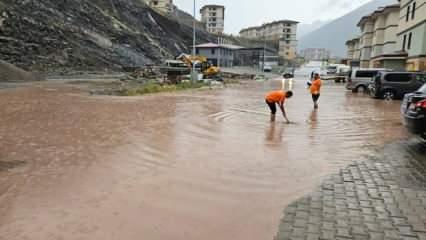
(185, 166)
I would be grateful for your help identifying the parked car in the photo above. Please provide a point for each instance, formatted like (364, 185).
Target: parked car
(359, 79)
(267, 68)
(413, 110)
(394, 85)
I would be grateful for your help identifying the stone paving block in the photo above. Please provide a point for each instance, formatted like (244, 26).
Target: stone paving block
(300, 223)
(301, 215)
(406, 231)
(328, 226)
(343, 233)
(387, 224)
(408, 238)
(313, 228)
(391, 234)
(421, 236)
(314, 220)
(298, 232)
(377, 236)
(311, 236)
(327, 235)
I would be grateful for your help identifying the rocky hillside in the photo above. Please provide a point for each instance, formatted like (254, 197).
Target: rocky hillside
(59, 35)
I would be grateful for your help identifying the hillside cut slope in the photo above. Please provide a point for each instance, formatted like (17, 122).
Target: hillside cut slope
(47, 35)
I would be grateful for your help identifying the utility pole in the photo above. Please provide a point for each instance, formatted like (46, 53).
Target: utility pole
(219, 49)
(264, 52)
(194, 51)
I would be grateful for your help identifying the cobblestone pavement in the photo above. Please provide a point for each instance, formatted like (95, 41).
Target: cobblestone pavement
(381, 198)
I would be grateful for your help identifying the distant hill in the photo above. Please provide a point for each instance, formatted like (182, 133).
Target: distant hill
(305, 29)
(334, 35)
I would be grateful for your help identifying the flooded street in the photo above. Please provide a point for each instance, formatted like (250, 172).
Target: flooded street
(185, 166)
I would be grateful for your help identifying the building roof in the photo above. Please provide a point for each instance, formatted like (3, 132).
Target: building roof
(249, 28)
(352, 40)
(214, 45)
(378, 12)
(212, 6)
(279, 22)
(268, 24)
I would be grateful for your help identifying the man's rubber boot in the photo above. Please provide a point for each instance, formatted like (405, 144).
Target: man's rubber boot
(272, 117)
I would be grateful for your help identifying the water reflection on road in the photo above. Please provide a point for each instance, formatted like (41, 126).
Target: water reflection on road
(201, 165)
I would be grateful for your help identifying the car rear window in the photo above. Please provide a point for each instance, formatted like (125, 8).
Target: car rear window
(421, 78)
(366, 74)
(398, 77)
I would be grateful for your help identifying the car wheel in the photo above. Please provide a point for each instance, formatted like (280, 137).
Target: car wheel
(361, 89)
(388, 95)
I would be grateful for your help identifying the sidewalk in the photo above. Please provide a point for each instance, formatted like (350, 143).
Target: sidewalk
(382, 198)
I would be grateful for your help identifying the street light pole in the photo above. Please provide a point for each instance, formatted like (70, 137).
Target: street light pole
(264, 52)
(193, 46)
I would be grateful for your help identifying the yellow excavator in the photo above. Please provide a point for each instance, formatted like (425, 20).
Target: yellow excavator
(209, 71)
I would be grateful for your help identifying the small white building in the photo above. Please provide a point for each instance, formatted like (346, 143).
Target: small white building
(221, 55)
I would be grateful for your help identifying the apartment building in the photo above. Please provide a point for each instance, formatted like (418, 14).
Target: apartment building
(384, 52)
(315, 54)
(213, 16)
(354, 53)
(393, 37)
(366, 24)
(162, 6)
(412, 33)
(284, 32)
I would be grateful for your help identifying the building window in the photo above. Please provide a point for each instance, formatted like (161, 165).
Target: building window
(403, 42)
(409, 41)
(407, 17)
(213, 51)
(197, 51)
(414, 11)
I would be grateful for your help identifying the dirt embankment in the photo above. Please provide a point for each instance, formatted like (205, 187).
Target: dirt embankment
(9, 72)
(59, 35)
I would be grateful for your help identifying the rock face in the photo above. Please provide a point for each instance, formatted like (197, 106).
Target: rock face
(8, 72)
(57, 35)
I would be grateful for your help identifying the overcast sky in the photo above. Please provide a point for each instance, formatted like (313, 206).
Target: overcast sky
(244, 13)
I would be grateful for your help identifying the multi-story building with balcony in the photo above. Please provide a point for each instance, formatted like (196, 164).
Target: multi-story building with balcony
(283, 32)
(162, 6)
(213, 16)
(412, 33)
(366, 24)
(384, 52)
(393, 37)
(354, 53)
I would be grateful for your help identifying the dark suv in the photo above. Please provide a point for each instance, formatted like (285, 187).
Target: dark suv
(392, 85)
(413, 109)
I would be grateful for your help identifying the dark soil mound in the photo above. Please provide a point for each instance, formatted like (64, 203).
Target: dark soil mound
(88, 34)
(9, 72)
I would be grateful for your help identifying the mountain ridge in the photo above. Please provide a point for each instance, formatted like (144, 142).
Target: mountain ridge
(345, 26)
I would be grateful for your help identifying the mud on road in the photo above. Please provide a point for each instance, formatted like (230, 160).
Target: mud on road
(190, 165)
